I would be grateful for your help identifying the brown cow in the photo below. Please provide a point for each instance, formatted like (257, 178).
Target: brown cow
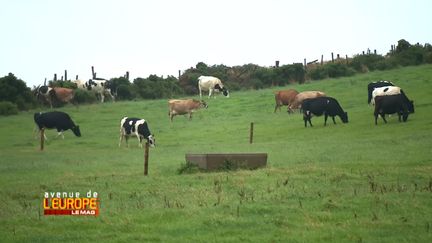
(56, 94)
(296, 104)
(284, 97)
(182, 107)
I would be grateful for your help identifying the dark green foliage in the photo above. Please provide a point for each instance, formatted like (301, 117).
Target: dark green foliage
(8, 108)
(63, 84)
(155, 87)
(122, 88)
(371, 61)
(15, 91)
(84, 96)
(335, 70)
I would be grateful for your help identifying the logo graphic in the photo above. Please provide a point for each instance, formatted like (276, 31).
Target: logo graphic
(70, 203)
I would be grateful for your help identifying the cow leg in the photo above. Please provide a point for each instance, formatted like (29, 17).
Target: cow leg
(333, 118)
(139, 141)
(325, 119)
(60, 133)
(190, 116)
(383, 117)
(210, 92)
(127, 141)
(102, 97)
(200, 91)
(376, 118)
(121, 139)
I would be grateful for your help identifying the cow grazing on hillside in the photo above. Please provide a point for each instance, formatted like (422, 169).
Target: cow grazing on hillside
(211, 84)
(135, 127)
(56, 94)
(323, 105)
(284, 97)
(100, 87)
(373, 85)
(393, 104)
(58, 120)
(182, 107)
(300, 97)
(385, 90)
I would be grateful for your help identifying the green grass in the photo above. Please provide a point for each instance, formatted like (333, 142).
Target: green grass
(347, 182)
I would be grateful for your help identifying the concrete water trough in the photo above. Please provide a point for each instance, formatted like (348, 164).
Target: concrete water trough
(228, 161)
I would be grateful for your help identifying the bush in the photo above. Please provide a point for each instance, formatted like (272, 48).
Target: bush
(83, 96)
(8, 108)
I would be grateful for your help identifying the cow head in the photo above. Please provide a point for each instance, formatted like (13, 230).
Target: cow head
(411, 106)
(151, 140)
(203, 104)
(344, 117)
(225, 92)
(76, 131)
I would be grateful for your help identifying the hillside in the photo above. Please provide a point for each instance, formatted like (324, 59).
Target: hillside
(343, 182)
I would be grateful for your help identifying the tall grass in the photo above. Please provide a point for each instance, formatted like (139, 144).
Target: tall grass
(343, 182)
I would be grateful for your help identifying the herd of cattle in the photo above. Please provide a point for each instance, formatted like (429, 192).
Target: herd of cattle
(383, 95)
(100, 87)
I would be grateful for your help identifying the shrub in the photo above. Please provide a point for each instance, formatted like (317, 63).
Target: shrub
(83, 96)
(8, 108)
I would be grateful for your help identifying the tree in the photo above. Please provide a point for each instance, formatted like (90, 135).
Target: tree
(16, 91)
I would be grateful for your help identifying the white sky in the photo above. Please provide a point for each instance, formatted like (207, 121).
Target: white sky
(42, 37)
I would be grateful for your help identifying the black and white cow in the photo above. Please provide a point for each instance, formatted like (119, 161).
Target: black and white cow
(323, 105)
(211, 84)
(58, 120)
(135, 127)
(373, 85)
(45, 93)
(99, 86)
(391, 104)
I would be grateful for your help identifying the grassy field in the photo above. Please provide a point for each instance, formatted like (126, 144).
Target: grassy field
(349, 182)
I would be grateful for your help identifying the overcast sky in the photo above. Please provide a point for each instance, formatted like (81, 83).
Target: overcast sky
(42, 37)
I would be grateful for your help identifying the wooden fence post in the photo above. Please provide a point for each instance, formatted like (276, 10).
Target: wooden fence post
(277, 64)
(65, 75)
(76, 77)
(322, 59)
(251, 133)
(42, 138)
(146, 157)
(332, 57)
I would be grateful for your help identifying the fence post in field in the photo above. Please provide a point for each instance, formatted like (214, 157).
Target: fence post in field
(277, 64)
(322, 59)
(146, 157)
(127, 75)
(346, 58)
(55, 77)
(42, 139)
(251, 133)
(76, 77)
(305, 64)
(375, 51)
(179, 74)
(93, 73)
(65, 75)
(332, 57)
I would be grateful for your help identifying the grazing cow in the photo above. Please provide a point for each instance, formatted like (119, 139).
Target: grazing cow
(323, 105)
(182, 107)
(373, 85)
(135, 127)
(211, 84)
(58, 120)
(100, 87)
(393, 104)
(284, 97)
(300, 97)
(385, 90)
(43, 92)
(59, 94)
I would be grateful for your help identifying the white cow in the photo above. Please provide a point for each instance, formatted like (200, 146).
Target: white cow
(211, 84)
(386, 90)
(97, 86)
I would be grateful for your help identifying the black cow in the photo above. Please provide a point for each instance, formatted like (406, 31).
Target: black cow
(58, 120)
(373, 85)
(135, 127)
(393, 104)
(323, 105)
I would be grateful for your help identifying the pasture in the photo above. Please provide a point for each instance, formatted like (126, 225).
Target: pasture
(346, 182)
